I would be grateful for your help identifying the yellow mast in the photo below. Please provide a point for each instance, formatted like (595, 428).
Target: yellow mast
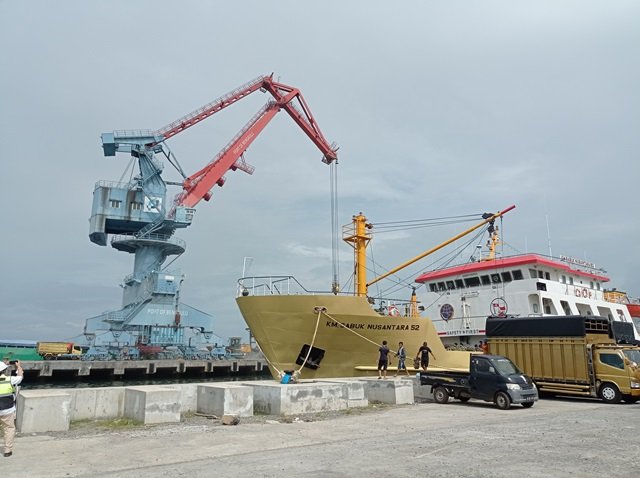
(493, 243)
(359, 236)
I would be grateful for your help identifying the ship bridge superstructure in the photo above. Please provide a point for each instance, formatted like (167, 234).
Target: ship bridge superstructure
(459, 298)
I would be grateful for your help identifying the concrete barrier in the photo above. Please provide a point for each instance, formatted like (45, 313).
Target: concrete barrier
(225, 399)
(421, 392)
(392, 391)
(52, 410)
(43, 411)
(353, 391)
(293, 398)
(188, 396)
(152, 404)
(96, 403)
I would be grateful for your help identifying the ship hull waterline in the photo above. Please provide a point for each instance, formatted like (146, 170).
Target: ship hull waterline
(348, 330)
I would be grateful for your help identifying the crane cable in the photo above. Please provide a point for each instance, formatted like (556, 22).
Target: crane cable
(333, 179)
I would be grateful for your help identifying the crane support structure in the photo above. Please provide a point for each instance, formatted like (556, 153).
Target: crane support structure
(142, 222)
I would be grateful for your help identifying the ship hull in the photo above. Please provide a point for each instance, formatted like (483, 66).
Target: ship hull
(345, 328)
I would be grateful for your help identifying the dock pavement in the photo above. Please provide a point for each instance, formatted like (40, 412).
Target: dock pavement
(557, 437)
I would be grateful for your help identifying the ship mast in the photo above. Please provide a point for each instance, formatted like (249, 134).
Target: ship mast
(359, 237)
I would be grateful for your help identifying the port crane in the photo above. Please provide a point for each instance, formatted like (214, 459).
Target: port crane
(140, 221)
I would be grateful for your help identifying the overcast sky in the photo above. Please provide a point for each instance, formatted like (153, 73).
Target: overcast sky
(439, 108)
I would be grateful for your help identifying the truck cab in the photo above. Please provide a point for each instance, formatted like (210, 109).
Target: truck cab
(617, 373)
(492, 378)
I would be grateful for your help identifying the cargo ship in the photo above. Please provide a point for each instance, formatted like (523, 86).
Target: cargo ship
(319, 335)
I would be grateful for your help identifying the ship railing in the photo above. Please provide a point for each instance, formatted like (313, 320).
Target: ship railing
(289, 285)
(273, 285)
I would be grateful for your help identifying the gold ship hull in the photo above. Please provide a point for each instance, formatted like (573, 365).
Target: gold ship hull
(345, 328)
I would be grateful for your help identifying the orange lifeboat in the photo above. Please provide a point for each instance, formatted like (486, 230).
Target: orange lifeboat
(634, 310)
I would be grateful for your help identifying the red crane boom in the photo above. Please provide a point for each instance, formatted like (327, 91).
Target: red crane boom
(198, 186)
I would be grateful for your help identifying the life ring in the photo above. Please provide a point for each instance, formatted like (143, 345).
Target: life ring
(585, 293)
(393, 311)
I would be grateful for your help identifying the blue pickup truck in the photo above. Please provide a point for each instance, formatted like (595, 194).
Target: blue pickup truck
(491, 378)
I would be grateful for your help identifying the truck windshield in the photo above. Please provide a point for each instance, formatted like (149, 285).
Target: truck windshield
(505, 366)
(633, 355)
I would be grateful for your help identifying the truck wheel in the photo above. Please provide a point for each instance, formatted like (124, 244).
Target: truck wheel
(527, 404)
(464, 399)
(609, 393)
(503, 401)
(630, 399)
(441, 395)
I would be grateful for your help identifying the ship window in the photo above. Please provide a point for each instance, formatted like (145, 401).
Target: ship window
(571, 280)
(612, 359)
(506, 277)
(485, 280)
(548, 306)
(564, 279)
(495, 278)
(533, 273)
(591, 284)
(472, 282)
(565, 307)
(459, 284)
(541, 286)
(517, 274)
(547, 276)
(136, 206)
(315, 357)
(433, 287)
(115, 203)
(598, 285)
(450, 285)
(540, 275)
(441, 286)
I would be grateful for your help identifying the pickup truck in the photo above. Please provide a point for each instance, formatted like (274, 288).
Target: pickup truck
(491, 378)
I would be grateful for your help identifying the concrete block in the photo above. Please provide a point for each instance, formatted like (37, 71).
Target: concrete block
(43, 411)
(421, 392)
(98, 403)
(291, 399)
(188, 396)
(225, 399)
(353, 391)
(152, 404)
(392, 391)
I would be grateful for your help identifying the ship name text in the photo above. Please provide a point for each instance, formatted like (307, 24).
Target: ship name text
(413, 327)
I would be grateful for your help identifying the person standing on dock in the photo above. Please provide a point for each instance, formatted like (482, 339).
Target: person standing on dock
(8, 384)
(383, 360)
(402, 355)
(424, 352)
